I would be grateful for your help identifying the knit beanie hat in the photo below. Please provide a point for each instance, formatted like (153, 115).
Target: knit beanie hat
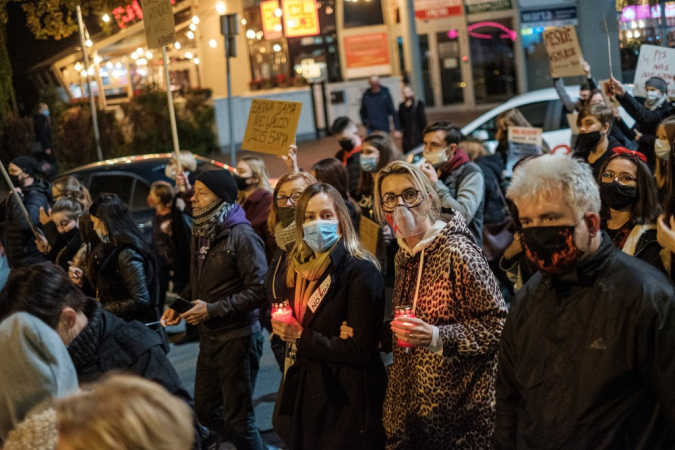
(657, 83)
(27, 164)
(221, 183)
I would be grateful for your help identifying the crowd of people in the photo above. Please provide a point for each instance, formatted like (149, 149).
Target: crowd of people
(532, 307)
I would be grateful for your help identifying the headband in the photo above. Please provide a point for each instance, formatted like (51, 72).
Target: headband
(632, 153)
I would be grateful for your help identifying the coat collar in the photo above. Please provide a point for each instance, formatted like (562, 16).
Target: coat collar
(588, 269)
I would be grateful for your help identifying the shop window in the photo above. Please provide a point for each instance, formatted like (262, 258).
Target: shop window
(363, 14)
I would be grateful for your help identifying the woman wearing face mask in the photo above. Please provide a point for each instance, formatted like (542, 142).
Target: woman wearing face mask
(331, 395)
(331, 171)
(287, 192)
(65, 213)
(665, 138)
(458, 314)
(67, 186)
(126, 278)
(630, 205)
(255, 196)
(377, 151)
(82, 271)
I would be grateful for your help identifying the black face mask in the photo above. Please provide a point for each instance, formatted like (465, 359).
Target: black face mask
(15, 181)
(242, 183)
(551, 249)
(346, 145)
(286, 215)
(617, 196)
(589, 141)
(68, 235)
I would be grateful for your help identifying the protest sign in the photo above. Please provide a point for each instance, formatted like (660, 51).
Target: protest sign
(160, 26)
(564, 53)
(572, 121)
(523, 141)
(271, 126)
(369, 232)
(654, 62)
(605, 88)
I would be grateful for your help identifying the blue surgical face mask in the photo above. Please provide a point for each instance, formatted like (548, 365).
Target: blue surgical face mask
(45, 113)
(368, 163)
(320, 235)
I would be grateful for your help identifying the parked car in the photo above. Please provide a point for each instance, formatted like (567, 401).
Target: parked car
(130, 178)
(542, 108)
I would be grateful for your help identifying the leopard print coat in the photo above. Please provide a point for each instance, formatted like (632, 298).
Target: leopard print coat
(446, 401)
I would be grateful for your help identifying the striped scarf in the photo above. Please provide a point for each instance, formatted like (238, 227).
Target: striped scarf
(207, 219)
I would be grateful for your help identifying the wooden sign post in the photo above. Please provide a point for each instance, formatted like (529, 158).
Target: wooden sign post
(564, 53)
(271, 126)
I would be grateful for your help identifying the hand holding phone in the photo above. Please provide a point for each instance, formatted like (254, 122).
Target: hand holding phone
(181, 306)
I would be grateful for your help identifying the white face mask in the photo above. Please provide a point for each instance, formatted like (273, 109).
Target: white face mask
(406, 222)
(662, 149)
(653, 95)
(438, 157)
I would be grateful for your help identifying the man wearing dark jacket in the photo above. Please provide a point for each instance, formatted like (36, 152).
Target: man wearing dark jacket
(347, 134)
(98, 342)
(226, 286)
(35, 194)
(376, 107)
(585, 359)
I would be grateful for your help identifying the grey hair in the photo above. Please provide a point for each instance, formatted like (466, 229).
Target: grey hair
(552, 172)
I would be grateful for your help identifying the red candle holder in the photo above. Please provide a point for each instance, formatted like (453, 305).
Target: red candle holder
(404, 311)
(282, 312)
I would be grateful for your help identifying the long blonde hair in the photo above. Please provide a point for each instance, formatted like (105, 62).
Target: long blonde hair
(259, 170)
(285, 178)
(125, 412)
(661, 173)
(345, 227)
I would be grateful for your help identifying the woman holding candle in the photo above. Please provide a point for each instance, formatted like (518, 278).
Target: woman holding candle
(441, 392)
(332, 393)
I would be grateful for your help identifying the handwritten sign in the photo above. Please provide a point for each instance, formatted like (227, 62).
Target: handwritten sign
(655, 62)
(605, 88)
(160, 26)
(523, 141)
(271, 126)
(369, 232)
(564, 53)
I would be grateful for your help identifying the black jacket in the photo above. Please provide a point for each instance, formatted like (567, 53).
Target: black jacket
(353, 166)
(19, 239)
(586, 359)
(333, 395)
(231, 282)
(275, 284)
(413, 121)
(63, 246)
(127, 284)
(494, 207)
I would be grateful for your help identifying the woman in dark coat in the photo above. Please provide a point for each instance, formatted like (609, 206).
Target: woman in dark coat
(332, 393)
(126, 277)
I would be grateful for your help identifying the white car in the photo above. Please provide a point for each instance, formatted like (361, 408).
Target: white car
(542, 108)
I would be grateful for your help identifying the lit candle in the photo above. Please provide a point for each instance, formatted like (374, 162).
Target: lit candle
(282, 311)
(405, 311)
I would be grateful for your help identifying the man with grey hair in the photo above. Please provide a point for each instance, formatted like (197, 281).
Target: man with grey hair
(586, 356)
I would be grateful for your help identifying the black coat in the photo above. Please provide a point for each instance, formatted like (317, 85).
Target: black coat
(62, 250)
(586, 359)
(333, 394)
(413, 122)
(19, 239)
(495, 202)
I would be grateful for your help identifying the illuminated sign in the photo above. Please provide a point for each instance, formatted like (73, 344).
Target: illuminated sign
(126, 14)
(366, 50)
(437, 9)
(301, 18)
(271, 20)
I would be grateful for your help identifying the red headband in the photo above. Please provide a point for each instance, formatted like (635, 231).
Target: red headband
(633, 153)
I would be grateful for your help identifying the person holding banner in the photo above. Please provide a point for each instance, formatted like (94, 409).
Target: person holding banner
(35, 194)
(584, 91)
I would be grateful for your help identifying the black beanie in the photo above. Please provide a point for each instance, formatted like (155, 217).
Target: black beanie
(221, 183)
(27, 164)
(657, 83)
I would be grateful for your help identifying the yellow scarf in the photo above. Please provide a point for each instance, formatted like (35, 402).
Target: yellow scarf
(309, 269)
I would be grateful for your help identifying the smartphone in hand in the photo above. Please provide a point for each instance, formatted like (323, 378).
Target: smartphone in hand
(181, 306)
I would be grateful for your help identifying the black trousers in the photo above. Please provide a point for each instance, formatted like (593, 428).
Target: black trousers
(224, 385)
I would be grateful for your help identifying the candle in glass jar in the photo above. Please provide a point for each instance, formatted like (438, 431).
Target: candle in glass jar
(282, 311)
(404, 311)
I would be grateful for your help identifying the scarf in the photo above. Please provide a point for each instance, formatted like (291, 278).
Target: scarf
(348, 154)
(307, 268)
(285, 237)
(207, 219)
(458, 160)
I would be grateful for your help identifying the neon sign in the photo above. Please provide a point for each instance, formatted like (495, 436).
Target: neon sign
(508, 33)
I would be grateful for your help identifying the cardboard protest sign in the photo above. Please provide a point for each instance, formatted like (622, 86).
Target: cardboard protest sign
(369, 232)
(564, 53)
(160, 26)
(610, 100)
(572, 121)
(655, 62)
(523, 141)
(271, 126)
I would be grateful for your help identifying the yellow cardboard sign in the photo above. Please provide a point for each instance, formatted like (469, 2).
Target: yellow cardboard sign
(369, 232)
(160, 26)
(271, 126)
(564, 53)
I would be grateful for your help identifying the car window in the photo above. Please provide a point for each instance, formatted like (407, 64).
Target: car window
(487, 131)
(535, 113)
(141, 191)
(121, 185)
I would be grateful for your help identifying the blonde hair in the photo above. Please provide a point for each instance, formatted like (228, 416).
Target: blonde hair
(259, 170)
(125, 412)
(71, 186)
(472, 147)
(661, 174)
(345, 227)
(419, 180)
(285, 178)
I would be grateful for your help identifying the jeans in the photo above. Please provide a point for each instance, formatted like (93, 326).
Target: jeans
(224, 385)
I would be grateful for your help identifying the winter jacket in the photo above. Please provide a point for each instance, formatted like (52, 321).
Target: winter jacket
(257, 207)
(231, 282)
(275, 292)
(19, 239)
(642, 243)
(332, 396)
(171, 235)
(463, 190)
(353, 165)
(376, 107)
(63, 247)
(127, 284)
(413, 122)
(585, 360)
(35, 370)
(445, 399)
(43, 131)
(493, 170)
(570, 105)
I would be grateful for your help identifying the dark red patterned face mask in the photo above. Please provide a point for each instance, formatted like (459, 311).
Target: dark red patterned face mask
(551, 249)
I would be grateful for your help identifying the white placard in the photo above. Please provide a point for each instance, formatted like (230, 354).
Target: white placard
(655, 62)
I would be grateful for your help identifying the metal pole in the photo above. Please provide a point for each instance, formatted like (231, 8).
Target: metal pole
(172, 112)
(411, 48)
(664, 25)
(12, 190)
(92, 105)
(230, 119)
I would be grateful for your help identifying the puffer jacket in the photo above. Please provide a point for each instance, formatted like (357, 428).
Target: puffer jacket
(585, 360)
(19, 239)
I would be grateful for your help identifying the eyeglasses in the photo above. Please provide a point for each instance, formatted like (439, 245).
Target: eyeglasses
(609, 177)
(411, 198)
(282, 199)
